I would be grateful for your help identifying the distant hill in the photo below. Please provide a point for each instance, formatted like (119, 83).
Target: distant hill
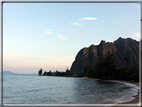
(8, 72)
(120, 48)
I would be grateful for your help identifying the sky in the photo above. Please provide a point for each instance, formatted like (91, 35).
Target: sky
(49, 35)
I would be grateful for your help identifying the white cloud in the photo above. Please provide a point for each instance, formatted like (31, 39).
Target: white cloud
(137, 35)
(62, 37)
(88, 18)
(76, 24)
(47, 31)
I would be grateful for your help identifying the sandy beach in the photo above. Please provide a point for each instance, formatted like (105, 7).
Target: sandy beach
(133, 103)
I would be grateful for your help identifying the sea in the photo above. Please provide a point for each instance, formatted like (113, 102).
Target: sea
(34, 89)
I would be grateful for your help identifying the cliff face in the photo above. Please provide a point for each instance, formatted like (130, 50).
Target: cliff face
(120, 48)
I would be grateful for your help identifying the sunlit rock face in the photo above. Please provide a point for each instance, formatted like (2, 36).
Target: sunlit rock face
(120, 48)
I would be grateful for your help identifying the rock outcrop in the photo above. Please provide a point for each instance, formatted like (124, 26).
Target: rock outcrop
(120, 48)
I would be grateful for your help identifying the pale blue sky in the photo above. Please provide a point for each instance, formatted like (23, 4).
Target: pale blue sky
(49, 35)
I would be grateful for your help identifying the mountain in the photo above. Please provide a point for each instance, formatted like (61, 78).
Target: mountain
(7, 72)
(120, 48)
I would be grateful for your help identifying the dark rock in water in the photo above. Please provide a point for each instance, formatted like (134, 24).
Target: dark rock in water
(120, 48)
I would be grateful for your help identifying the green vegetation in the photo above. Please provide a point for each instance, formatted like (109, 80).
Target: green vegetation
(129, 73)
(56, 73)
(40, 72)
(104, 69)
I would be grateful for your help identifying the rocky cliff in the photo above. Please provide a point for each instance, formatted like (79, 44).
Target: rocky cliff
(120, 48)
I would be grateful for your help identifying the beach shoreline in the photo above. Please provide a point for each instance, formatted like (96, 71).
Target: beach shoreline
(135, 101)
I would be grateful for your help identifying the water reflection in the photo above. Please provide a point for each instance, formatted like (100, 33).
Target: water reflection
(96, 91)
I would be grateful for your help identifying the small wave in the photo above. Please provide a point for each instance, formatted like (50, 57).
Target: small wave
(128, 91)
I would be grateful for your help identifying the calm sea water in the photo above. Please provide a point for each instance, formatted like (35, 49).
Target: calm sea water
(34, 89)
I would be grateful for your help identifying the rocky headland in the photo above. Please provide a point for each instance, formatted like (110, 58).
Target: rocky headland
(125, 51)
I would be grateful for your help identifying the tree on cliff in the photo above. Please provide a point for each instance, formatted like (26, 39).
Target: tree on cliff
(40, 72)
(68, 72)
(105, 68)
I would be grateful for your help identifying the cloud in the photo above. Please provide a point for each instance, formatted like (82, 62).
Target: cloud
(47, 31)
(137, 35)
(62, 37)
(88, 18)
(76, 24)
